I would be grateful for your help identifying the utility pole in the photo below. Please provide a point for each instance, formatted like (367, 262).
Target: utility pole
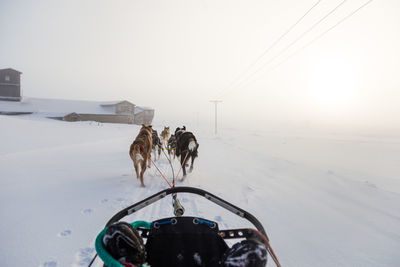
(215, 103)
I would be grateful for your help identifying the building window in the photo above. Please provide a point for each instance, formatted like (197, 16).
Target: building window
(7, 78)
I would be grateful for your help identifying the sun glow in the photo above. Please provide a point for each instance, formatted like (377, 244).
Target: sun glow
(331, 84)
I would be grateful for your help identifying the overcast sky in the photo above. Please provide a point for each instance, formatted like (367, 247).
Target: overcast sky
(176, 56)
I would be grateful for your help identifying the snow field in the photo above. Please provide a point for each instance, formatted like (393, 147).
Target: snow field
(325, 200)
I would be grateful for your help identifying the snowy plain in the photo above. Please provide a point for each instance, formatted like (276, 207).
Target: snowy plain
(325, 199)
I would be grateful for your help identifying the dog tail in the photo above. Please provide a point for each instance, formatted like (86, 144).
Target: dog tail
(134, 153)
(138, 157)
(192, 145)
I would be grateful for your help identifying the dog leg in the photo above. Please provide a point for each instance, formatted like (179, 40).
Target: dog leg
(135, 165)
(191, 165)
(136, 169)
(183, 163)
(143, 165)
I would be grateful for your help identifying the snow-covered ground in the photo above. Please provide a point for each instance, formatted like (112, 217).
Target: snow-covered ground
(324, 199)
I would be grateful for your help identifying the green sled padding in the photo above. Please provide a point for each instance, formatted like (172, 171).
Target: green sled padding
(101, 250)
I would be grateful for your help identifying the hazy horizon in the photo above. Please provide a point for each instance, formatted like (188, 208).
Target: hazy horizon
(176, 56)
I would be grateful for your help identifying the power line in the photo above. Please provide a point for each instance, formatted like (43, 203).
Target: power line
(288, 46)
(270, 47)
(215, 103)
(315, 39)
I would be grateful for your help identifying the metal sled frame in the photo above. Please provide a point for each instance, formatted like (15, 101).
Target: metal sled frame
(226, 234)
(184, 189)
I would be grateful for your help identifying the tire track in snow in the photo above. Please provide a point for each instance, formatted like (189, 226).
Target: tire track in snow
(154, 183)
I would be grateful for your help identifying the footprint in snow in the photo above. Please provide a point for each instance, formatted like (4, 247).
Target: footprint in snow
(330, 172)
(65, 233)
(104, 201)
(371, 184)
(84, 256)
(87, 211)
(49, 264)
(250, 188)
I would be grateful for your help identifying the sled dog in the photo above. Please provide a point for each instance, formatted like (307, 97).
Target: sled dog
(140, 151)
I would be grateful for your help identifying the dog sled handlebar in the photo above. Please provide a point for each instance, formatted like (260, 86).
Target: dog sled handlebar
(184, 189)
(220, 202)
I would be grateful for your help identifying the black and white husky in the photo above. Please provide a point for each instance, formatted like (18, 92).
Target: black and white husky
(187, 148)
(171, 146)
(156, 144)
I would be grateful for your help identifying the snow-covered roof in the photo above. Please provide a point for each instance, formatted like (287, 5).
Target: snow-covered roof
(11, 69)
(54, 107)
(113, 103)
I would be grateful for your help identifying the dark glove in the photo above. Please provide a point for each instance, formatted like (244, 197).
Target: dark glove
(247, 253)
(124, 243)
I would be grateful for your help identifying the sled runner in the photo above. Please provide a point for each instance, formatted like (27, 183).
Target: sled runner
(181, 241)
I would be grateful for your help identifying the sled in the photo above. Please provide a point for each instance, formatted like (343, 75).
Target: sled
(185, 240)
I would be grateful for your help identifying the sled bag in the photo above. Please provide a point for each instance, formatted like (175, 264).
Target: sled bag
(184, 242)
